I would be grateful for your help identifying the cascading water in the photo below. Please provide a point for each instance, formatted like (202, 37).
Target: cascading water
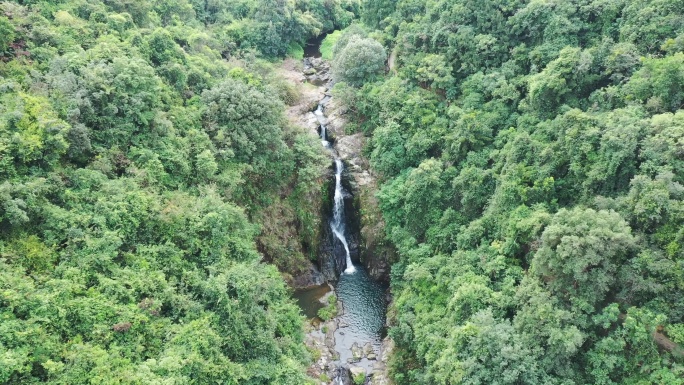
(322, 121)
(337, 224)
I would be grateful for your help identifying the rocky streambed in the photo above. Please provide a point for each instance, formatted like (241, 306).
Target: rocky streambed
(351, 344)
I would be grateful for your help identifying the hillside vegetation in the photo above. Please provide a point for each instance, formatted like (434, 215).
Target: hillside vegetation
(530, 156)
(532, 164)
(142, 148)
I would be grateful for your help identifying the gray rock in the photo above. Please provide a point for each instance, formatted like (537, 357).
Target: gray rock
(357, 352)
(309, 278)
(356, 371)
(367, 349)
(325, 298)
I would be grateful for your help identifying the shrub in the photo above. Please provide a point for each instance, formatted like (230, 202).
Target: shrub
(6, 34)
(329, 311)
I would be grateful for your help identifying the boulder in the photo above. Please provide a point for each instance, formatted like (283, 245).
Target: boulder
(367, 349)
(357, 352)
(356, 372)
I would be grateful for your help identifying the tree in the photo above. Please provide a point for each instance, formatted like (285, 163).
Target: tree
(659, 83)
(345, 36)
(243, 123)
(31, 134)
(434, 71)
(361, 60)
(580, 253)
(650, 23)
(374, 12)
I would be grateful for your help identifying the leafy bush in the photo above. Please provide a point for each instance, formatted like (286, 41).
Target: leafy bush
(329, 311)
(6, 34)
(341, 42)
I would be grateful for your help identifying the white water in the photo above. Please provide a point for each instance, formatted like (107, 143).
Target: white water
(322, 120)
(337, 224)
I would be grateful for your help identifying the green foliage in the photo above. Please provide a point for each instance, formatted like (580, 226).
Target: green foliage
(659, 83)
(434, 71)
(242, 122)
(6, 34)
(580, 253)
(328, 43)
(359, 61)
(342, 40)
(531, 182)
(295, 51)
(137, 167)
(32, 134)
(330, 310)
(375, 12)
(359, 379)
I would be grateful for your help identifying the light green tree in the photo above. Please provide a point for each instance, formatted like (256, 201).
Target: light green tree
(360, 61)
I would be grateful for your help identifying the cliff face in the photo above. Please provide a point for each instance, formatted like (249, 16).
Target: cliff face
(308, 272)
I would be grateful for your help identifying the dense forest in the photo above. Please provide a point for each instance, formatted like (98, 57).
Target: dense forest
(532, 164)
(142, 148)
(154, 198)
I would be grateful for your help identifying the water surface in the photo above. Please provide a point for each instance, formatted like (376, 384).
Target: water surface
(363, 301)
(309, 300)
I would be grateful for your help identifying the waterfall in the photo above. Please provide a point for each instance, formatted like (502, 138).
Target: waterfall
(322, 121)
(337, 224)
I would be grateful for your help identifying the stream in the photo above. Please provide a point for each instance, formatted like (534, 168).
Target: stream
(360, 323)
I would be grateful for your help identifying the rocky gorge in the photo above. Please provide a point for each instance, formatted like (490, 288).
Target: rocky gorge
(374, 252)
(340, 354)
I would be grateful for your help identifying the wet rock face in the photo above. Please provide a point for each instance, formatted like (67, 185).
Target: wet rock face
(320, 338)
(365, 229)
(332, 256)
(357, 352)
